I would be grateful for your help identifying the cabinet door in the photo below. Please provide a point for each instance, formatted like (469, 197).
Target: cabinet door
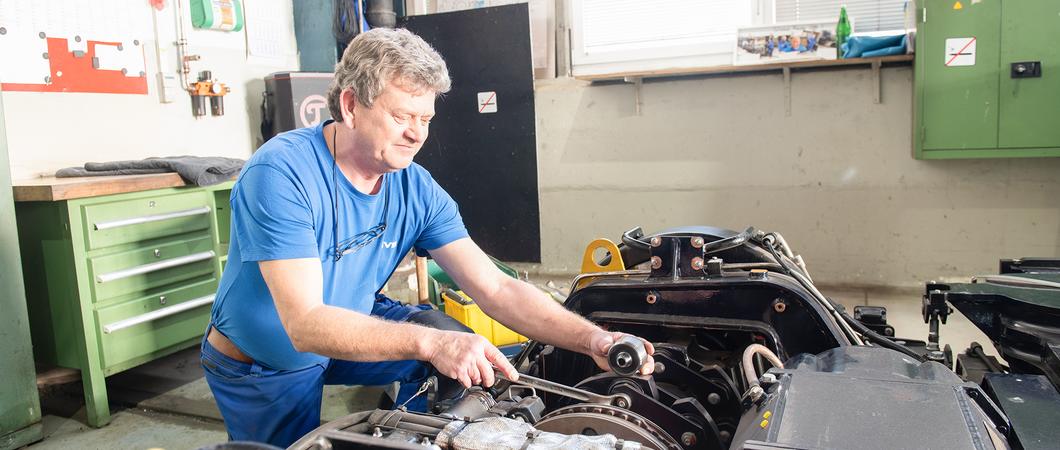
(960, 92)
(1030, 107)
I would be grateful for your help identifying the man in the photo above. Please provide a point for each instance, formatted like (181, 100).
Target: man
(321, 217)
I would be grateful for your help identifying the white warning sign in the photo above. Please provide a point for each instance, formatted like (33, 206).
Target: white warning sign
(960, 51)
(487, 102)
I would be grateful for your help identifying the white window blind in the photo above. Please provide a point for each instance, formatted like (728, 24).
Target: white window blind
(679, 31)
(867, 15)
(625, 24)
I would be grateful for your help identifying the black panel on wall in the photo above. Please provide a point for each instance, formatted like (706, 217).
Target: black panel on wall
(486, 160)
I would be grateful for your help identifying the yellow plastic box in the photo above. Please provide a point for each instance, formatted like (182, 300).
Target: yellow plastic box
(462, 308)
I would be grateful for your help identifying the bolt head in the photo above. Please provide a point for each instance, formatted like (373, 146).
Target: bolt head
(651, 299)
(656, 241)
(688, 439)
(656, 262)
(697, 263)
(697, 242)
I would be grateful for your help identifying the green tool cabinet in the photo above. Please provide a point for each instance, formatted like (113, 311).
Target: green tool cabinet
(115, 281)
(996, 97)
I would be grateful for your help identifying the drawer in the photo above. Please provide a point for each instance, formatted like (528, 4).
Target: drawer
(152, 267)
(145, 325)
(121, 222)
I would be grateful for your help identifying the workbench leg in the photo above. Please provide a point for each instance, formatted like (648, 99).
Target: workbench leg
(96, 404)
(92, 377)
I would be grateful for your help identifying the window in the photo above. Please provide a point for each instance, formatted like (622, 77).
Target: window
(620, 35)
(867, 15)
(616, 36)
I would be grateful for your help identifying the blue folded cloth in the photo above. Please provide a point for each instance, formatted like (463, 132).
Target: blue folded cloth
(872, 46)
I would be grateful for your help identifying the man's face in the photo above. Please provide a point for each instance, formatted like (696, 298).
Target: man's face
(390, 133)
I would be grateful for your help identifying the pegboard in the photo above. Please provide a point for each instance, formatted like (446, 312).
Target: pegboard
(74, 45)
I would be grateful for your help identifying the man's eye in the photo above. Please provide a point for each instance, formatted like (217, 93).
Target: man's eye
(401, 119)
(425, 122)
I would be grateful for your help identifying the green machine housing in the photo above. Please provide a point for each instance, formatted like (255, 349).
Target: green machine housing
(998, 97)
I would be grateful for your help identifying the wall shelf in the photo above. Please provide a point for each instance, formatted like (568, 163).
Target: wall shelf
(637, 78)
(714, 70)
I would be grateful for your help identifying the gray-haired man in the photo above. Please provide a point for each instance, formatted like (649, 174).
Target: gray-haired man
(321, 217)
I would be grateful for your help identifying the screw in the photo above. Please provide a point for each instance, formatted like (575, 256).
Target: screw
(158, 253)
(659, 368)
(697, 242)
(45, 55)
(651, 298)
(688, 439)
(656, 241)
(713, 398)
(621, 402)
(656, 262)
(3, 31)
(161, 299)
(42, 35)
(697, 263)
(779, 305)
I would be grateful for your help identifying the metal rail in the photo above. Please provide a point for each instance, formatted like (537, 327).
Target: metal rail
(158, 314)
(155, 266)
(152, 218)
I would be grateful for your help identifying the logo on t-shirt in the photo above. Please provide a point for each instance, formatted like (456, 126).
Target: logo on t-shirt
(391, 244)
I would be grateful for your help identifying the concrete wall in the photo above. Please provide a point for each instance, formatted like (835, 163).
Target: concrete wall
(836, 177)
(49, 131)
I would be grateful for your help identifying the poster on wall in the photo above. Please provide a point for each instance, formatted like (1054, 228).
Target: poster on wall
(785, 42)
(74, 46)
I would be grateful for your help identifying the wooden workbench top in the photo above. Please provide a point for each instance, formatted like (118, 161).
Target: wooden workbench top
(54, 189)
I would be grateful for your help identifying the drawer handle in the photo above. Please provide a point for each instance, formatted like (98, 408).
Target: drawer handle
(155, 266)
(157, 314)
(151, 218)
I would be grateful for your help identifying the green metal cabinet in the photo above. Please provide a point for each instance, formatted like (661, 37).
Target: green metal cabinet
(970, 101)
(19, 403)
(115, 281)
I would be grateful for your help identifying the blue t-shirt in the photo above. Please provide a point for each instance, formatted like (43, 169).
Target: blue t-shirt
(282, 206)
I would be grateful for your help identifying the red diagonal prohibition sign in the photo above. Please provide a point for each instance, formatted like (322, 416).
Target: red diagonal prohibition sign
(955, 55)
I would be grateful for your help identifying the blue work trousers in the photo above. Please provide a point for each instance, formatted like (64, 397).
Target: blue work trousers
(280, 406)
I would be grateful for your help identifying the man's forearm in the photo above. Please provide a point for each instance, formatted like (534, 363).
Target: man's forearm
(530, 312)
(344, 334)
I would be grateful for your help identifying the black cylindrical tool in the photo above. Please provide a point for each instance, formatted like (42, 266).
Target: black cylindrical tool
(627, 355)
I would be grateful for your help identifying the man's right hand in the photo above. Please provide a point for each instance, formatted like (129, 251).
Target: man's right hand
(466, 357)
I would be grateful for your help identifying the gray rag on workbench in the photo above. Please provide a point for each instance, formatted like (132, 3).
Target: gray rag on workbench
(197, 170)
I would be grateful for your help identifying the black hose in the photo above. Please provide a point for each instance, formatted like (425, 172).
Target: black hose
(346, 21)
(881, 340)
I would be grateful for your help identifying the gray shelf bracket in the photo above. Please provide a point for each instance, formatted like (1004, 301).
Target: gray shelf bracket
(787, 91)
(637, 83)
(877, 85)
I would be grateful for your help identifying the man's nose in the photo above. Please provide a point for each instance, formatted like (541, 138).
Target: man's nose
(416, 132)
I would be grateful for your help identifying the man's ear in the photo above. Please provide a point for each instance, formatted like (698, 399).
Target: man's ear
(350, 107)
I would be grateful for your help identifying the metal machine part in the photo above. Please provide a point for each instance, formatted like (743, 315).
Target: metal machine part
(207, 88)
(864, 397)
(1019, 311)
(748, 354)
(627, 355)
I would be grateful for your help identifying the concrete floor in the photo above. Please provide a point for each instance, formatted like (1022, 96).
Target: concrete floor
(166, 404)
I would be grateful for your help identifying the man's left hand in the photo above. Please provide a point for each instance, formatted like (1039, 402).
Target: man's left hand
(601, 341)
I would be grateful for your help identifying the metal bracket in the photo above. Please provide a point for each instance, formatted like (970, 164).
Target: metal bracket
(637, 83)
(877, 85)
(787, 91)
